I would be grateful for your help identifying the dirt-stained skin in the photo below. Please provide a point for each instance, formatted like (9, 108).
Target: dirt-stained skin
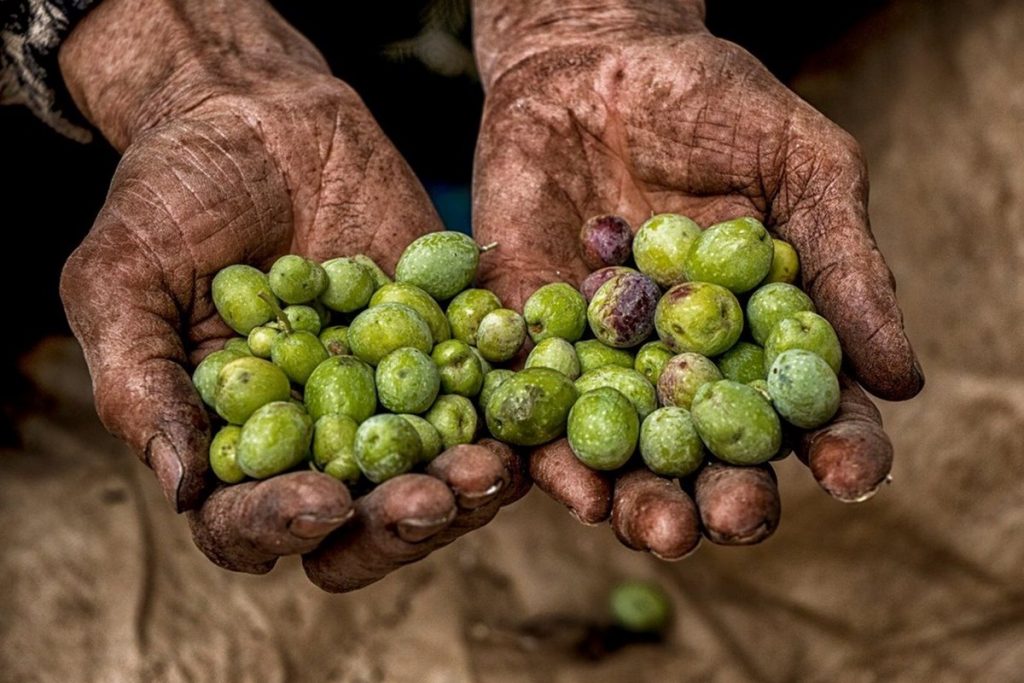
(630, 107)
(239, 147)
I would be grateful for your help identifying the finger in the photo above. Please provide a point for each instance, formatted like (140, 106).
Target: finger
(392, 526)
(491, 468)
(653, 514)
(823, 206)
(738, 505)
(586, 492)
(246, 527)
(126, 323)
(475, 474)
(851, 456)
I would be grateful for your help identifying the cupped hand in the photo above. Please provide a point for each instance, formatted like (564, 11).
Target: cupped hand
(638, 122)
(285, 160)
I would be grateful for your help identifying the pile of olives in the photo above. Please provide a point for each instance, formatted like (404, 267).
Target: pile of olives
(344, 369)
(702, 346)
(722, 374)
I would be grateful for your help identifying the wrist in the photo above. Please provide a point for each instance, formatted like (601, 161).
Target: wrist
(131, 64)
(508, 31)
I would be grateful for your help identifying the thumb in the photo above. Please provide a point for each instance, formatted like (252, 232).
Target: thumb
(126, 321)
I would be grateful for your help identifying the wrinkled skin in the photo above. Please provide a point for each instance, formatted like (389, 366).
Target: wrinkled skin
(594, 112)
(241, 163)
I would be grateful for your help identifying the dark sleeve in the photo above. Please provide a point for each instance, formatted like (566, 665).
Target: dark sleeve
(31, 32)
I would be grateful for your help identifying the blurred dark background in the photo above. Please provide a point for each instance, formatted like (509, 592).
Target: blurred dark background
(51, 187)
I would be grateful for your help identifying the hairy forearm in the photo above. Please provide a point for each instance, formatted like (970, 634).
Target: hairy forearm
(131, 63)
(508, 31)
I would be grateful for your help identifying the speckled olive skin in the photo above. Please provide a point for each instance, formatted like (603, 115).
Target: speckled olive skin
(603, 429)
(594, 354)
(626, 381)
(735, 254)
(621, 313)
(743, 363)
(205, 375)
(261, 340)
(785, 264)
(237, 292)
(298, 354)
(803, 388)
(341, 385)
(808, 331)
(335, 340)
(605, 241)
(736, 423)
(430, 439)
(296, 280)
(245, 384)
(699, 317)
(555, 310)
(454, 418)
(661, 245)
(378, 331)
(239, 345)
(467, 309)
(669, 443)
(300, 318)
(224, 455)
(682, 376)
(349, 285)
(407, 381)
(530, 408)
(380, 278)
(275, 439)
(651, 359)
(500, 335)
(440, 263)
(771, 303)
(459, 368)
(492, 380)
(419, 301)
(386, 446)
(334, 438)
(592, 282)
(557, 354)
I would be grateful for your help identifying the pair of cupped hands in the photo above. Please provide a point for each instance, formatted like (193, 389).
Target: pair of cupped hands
(240, 147)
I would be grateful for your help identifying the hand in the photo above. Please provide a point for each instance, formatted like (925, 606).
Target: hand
(638, 110)
(238, 148)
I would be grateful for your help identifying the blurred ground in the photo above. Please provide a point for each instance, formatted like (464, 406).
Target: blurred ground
(101, 583)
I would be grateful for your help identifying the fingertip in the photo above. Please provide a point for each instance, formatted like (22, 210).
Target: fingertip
(184, 478)
(559, 473)
(474, 473)
(738, 505)
(292, 513)
(516, 467)
(884, 361)
(851, 456)
(850, 461)
(414, 506)
(653, 514)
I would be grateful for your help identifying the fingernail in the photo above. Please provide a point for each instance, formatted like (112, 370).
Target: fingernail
(416, 529)
(471, 501)
(310, 527)
(166, 464)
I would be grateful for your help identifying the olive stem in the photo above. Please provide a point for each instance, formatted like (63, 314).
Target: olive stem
(278, 311)
(487, 247)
